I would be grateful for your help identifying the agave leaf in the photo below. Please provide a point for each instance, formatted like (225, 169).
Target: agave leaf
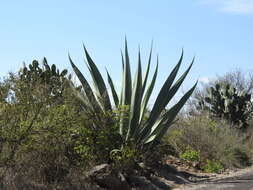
(175, 111)
(99, 83)
(114, 93)
(122, 82)
(147, 70)
(147, 131)
(126, 91)
(86, 87)
(122, 120)
(79, 95)
(162, 125)
(161, 101)
(172, 92)
(135, 102)
(122, 60)
(127, 80)
(178, 83)
(148, 93)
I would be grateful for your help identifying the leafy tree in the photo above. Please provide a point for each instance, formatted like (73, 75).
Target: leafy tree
(241, 81)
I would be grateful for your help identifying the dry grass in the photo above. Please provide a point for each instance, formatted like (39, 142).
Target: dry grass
(214, 139)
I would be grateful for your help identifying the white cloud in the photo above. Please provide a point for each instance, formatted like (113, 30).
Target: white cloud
(204, 80)
(232, 6)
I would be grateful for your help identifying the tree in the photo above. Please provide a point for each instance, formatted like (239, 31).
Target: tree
(241, 81)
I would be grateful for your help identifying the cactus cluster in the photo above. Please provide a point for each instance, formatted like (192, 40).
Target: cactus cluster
(224, 101)
(47, 75)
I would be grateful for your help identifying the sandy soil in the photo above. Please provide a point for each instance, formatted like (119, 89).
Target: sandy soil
(232, 180)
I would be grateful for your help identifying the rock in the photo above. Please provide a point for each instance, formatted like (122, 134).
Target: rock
(112, 183)
(161, 183)
(103, 177)
(142, 183)
(103, 168)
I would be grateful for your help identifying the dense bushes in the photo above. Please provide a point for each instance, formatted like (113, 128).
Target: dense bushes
(45, 134)
(209, 141)
(217, 124)
(215, 131)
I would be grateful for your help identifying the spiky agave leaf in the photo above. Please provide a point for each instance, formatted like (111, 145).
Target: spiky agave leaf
(161, 126)
(147, 70)
(122, 76)
(127, 79)
(86, 87)
(161, 100)
(126, 92)
(99, 83)
(148, 93)
(114, 93)
(135, 102)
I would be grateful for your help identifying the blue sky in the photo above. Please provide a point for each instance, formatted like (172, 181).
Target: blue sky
(217, 32)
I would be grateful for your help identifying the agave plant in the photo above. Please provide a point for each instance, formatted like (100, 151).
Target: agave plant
(135, 96)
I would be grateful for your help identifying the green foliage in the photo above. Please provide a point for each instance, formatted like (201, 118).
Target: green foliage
(46, 121)
(124, 158)
(46, 139)
(190, 155)
(95, 144)
(213, 167)
(132, 127)
(240, 156)
(32, 123)
(224, 101)
(47, 75)
(211, 139)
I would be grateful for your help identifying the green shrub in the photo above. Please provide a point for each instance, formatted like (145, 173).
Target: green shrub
(96, 145)
(213, 167)
(190, 155)
(240, 155)
(124, 158)
(46, 137)
(211, 138)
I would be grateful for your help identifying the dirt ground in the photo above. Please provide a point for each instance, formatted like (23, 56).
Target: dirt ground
(241, 179)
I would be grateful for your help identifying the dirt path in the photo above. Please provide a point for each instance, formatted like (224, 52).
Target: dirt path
(242, 180)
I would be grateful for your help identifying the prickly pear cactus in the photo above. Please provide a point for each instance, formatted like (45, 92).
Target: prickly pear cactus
(46, 75)
(226, 102)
